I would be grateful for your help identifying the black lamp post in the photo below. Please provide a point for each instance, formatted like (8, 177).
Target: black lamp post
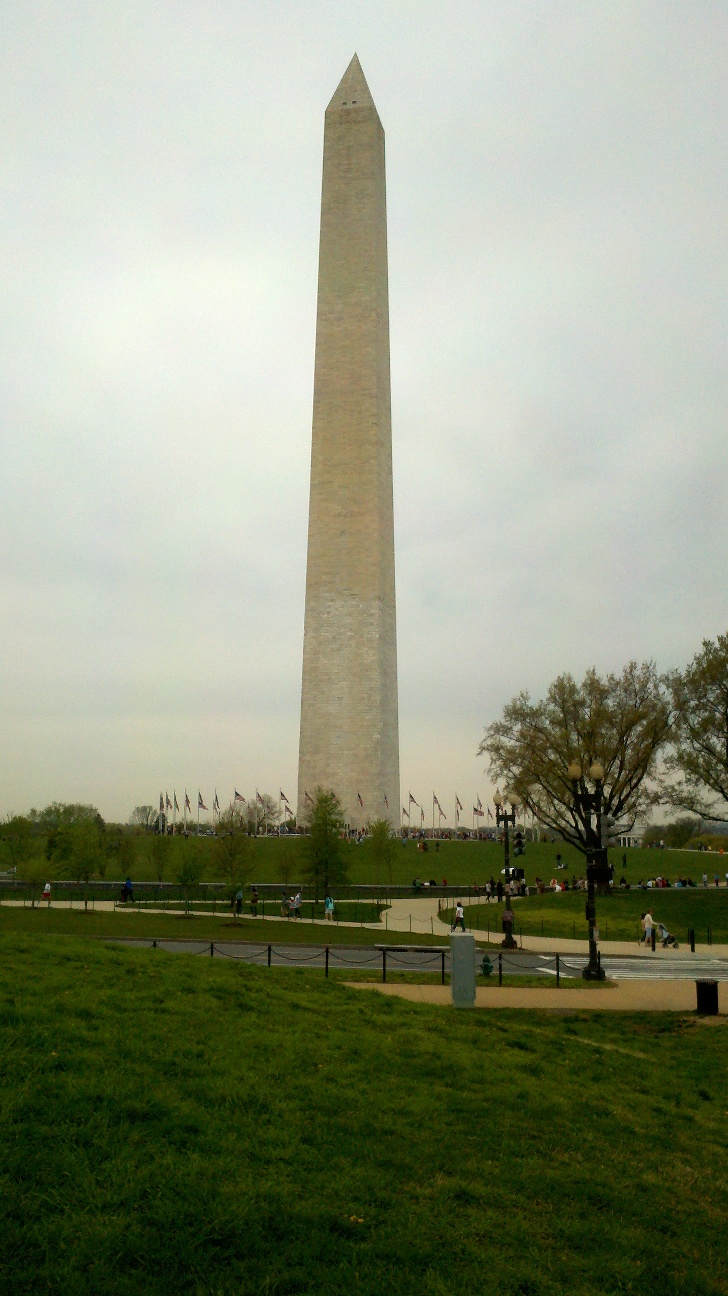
(506, 819)
(586, 804)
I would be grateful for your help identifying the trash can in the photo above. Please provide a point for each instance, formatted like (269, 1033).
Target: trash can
(707, 998)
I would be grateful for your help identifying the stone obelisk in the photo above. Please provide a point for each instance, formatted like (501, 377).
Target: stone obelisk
(349, 724)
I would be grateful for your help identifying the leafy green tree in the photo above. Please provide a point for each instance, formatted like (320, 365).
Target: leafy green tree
(382, 846)
(234, 854)
(675, 835)
(160, 849)
(324, 850)
(62, 814)
(697, 762)
(188, 866)
(288, 861)
(622, 721)
(17, 841)
(77, 851)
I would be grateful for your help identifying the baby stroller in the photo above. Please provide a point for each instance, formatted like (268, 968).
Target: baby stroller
(666, 940)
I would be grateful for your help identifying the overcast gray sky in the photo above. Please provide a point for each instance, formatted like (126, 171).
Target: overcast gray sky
(557, 204)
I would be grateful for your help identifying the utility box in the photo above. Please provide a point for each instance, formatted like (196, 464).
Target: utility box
(707, 998)
(462, 970)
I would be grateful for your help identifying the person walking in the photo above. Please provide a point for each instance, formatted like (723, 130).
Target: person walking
(329, 909)
(649, 924)
(459, 916)
(238, 903)
(47, 893)
(254, 903)
(297, 905)
(500, 890)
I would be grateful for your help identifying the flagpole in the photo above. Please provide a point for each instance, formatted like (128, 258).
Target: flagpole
(433, 814)
(198, 812)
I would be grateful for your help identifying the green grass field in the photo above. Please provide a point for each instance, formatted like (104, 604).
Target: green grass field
(181, 1127)
(462, 863)
(157, 924)
(618, 914)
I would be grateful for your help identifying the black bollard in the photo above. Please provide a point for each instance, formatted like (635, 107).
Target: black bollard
(384, 965)
(691, 938)
(212, 949)
(269, 949)
(500, 969)
(558, 972)
(654, 939)
(327, 960)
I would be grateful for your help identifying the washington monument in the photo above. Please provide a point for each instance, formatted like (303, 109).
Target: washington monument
(349, 725)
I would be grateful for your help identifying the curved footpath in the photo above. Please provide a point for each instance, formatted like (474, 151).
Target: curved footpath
(625, 996)
(421, 916)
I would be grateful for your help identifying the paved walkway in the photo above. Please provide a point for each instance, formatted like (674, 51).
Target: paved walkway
(420, 916)
(626, 996)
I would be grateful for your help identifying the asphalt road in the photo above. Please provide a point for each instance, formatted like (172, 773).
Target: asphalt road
(410, 958)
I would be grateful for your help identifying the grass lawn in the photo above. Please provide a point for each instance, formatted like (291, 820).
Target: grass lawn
(461, 863)
(618, 915)
(155, 924)
(176, 1127)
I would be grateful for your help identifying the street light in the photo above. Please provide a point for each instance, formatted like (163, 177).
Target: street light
(505, 819)
(586, 804)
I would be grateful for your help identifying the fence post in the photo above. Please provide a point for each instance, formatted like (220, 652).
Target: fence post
(384, 965)
(500, 969)
(327, 960)
(269, 948)
(212, 948)
(154, 944)
(691, 938)
(558, 972)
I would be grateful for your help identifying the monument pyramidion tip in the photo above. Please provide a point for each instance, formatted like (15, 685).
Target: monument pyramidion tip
(352, 90)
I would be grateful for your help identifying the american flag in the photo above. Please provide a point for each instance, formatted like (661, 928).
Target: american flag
(216, 803)
(187, 802)
(284, 798)
(405, 812)
(167, 801)
(412, 800)
(386, 802)
(237, 796)
(458, 802)
(306, 797)
(175, 802)
(259, 798)
(358, 797)
(161, 804)
(200, 803)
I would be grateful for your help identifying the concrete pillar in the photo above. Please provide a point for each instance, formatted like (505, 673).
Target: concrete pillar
(462, 969)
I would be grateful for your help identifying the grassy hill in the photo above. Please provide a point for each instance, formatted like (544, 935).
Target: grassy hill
(461, 863)
(183, 1127)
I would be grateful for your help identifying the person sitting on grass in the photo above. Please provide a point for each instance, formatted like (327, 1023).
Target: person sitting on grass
(459, 916)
